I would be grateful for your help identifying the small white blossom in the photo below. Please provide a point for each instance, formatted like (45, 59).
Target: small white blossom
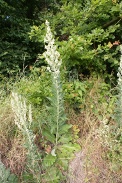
(48, 68)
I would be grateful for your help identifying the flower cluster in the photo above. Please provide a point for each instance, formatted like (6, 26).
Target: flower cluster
(118, 115)
(51, 55)
(119, 74)
(103, 133)
(22, 114)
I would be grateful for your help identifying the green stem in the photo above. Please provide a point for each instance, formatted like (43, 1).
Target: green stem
(57, 109)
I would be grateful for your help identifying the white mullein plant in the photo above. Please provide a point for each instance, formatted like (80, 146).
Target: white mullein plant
(119, 100)
(103, 132)
(52, 57)
(23, 120)
(22, 114)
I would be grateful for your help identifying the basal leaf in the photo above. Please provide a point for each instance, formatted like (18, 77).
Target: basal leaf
(48, 136)
(65, 138)
(49, 160)
(64, 128)
(6, 176)
(69, 148)
(52, 175)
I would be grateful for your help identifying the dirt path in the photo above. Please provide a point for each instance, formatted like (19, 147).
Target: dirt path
(76, 170)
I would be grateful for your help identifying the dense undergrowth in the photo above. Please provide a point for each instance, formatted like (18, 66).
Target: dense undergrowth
(45, 118)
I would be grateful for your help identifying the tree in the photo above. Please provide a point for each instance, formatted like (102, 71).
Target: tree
(16, 18)
(87, 31)
(90, 33)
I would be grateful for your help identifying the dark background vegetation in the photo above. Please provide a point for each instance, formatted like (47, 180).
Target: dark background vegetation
(88, 34)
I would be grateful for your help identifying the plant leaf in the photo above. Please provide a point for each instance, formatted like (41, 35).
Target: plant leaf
(49, 160)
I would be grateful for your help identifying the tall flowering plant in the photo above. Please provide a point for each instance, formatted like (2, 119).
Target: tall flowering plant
(23, 120)
(119, 100)
(52, 57)
(55, 129)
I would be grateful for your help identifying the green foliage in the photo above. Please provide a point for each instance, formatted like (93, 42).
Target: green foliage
(52, 175)
(58, 163)
(89, 34)
(36, 87)
(17, 52)
(75, 91)
(6, 176)
(90, 52)
(15, 49)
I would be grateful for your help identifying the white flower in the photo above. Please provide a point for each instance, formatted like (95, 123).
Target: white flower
(48, 68)
(53, 152)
